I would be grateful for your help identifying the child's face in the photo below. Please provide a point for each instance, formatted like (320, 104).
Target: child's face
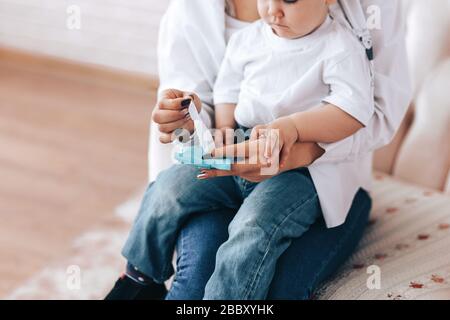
(294, 18)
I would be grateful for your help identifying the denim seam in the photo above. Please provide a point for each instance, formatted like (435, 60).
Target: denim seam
(331, 254)
(251, 286)
(183, 239)
(179, 259)
(166, 274)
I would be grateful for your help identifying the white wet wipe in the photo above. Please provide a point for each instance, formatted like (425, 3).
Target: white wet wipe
(205, 138)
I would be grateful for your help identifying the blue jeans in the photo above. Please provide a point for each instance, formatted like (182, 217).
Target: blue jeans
(269, 215)
(302, 268)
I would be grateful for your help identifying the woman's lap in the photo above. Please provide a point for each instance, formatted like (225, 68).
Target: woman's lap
(315, 256)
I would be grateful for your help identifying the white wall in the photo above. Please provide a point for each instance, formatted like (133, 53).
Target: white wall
(115, 33)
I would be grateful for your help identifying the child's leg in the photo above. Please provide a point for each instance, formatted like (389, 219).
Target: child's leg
(167, 204)
(277, 210)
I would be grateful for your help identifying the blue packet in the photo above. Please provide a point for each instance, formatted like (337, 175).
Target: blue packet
(193, 155)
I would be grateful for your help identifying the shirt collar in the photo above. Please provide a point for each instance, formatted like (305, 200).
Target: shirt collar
(300, 43)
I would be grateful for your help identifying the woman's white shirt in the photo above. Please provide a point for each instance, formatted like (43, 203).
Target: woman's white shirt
(232, 25)
(191, 46)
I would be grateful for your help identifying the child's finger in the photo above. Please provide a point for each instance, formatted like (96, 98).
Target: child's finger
(257, 132)
(229, 136)
(218, 138)
(254, 135)
(271, 144)
(284, 156)
(240, 150)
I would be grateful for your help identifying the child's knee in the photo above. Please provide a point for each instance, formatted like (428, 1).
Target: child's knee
(258, 218)
(247, 228)
(175, 180)
(176, 174)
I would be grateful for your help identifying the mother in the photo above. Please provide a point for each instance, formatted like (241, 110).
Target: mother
(193, 39)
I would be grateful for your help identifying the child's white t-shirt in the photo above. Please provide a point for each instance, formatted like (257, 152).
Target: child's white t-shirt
(269, 77)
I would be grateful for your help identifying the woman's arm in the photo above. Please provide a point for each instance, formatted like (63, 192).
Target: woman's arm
(191, 46)
(303, 155)
(252, 168)
(190, 50)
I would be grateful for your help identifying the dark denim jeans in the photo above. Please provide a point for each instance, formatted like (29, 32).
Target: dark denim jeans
(308, 261)
(269, 215)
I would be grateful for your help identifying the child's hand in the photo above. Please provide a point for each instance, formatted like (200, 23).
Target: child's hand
(280, 136)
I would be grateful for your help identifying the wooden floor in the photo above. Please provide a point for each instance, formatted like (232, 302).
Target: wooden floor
(72, 147)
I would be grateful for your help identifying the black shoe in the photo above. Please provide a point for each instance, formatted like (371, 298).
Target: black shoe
(128, 289)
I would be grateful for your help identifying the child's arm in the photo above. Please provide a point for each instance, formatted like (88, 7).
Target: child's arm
(348, 108)
(326, 124)
(224, 117)
(224, 113)
(228, 86)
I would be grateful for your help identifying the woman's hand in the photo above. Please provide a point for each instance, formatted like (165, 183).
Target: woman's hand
(171, 113)
(253, 166)
(250, 164)
(280, 136)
